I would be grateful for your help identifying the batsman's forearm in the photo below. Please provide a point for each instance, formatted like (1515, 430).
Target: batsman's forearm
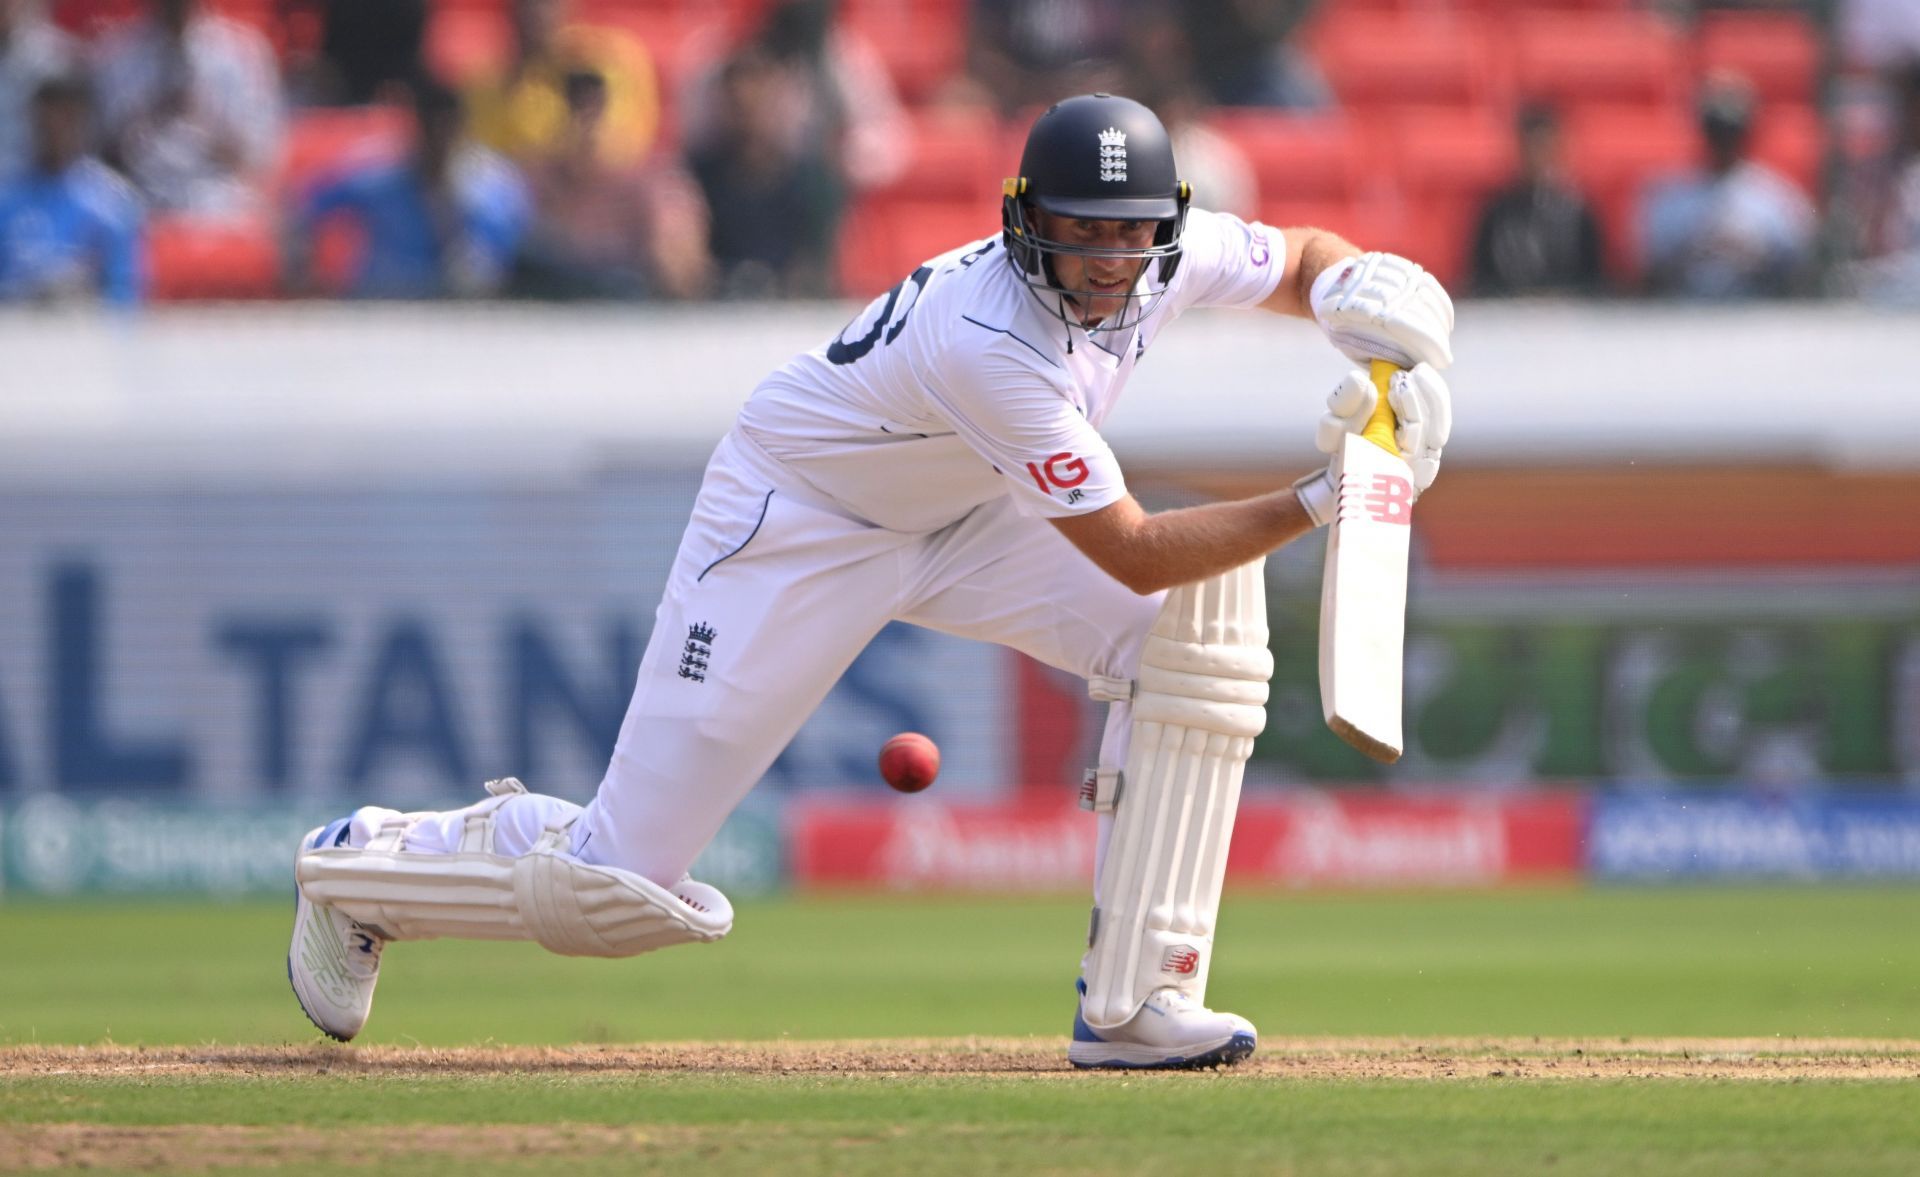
(1194, 543)
(1322, 250)
(1309, 252)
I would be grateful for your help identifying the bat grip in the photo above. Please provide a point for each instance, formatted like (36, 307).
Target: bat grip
(1379, 428)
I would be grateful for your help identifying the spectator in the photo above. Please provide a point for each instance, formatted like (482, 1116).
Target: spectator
(1537, 236)
(606, 231)
(839, 99)
(775, 203)
(1027, 53)
(1889, 206)
(69, 227)
(523, 113)
(31, 51)
(1877, 35)
(1736, 230)
(191, 106)
(1160, 76)
(445, 221)
(367, 51)
(1247, 57)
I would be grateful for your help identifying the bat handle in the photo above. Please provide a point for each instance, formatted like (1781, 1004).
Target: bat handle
(1380, 426)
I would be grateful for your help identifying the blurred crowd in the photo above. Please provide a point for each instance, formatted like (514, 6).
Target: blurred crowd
(694, 149)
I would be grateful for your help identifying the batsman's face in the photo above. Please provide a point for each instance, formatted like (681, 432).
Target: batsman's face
(1105, 280)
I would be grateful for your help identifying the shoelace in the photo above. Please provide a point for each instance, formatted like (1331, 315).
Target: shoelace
(1175, 999)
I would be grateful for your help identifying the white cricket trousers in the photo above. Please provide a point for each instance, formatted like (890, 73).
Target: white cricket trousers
(773, 593)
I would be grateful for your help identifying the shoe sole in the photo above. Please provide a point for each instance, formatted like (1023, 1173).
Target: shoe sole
(302, 912)
(1118, 1056)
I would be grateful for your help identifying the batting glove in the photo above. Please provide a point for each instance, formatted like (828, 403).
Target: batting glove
(1423, 410)
(1380, 306)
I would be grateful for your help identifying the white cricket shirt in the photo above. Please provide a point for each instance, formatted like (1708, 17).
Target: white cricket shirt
(957, 386)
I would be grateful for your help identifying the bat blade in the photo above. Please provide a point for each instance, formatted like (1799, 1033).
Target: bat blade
(1363, 592)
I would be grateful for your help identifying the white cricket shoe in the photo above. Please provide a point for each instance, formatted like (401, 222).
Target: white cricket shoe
(333, 962)
(1171, 1032)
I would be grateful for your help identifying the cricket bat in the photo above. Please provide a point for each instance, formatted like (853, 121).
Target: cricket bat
(1363, 592)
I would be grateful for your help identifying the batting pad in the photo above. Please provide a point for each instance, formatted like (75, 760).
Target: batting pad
(568, 906)
(1199, 702)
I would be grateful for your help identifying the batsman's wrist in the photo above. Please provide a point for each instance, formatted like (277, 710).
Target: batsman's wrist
(1317, 497)
(1323, 283)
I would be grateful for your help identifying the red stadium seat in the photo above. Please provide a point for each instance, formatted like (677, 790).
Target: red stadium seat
(1375, 59)
(882, 240)
(1504, 9)
(1449, 162)
(1450, 152)
(322, 141)
(1435, 234)
(1778, 52)
(957, 155)
(1299, 157)
(629, 13)
(1568, 57)
(1315, 171)
(652, 23)
(1367, 219)
(1373, 8)
(89, 17)
(466, 43)
(189, 258)
(338, 246)
(1792, 140)
(1610, 147)
(921, 42)
(1614, 152)
(261, 14)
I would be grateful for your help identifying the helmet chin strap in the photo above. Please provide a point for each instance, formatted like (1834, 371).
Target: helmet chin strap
(1063, 299)
(1080, 310)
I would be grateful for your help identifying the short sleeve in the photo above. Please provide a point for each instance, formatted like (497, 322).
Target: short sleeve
(1226, 262)
(115, 223)
(498, 213)
(333, 194)
(123, 277)
(1018, 413)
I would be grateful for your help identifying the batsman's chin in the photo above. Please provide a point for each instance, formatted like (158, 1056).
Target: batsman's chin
(1095, 309)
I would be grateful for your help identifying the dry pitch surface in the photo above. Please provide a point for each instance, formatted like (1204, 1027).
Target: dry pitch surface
(1288, 1068)
(1286, 1058)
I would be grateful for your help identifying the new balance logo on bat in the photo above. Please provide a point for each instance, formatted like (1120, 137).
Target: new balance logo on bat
(1387, 499)
(1390, 500)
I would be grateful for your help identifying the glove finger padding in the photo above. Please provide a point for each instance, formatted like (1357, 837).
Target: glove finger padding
(1423, 405)
(1348, 407)
(1383, 306)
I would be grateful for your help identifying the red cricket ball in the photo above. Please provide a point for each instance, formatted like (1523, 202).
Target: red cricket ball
(909, 762)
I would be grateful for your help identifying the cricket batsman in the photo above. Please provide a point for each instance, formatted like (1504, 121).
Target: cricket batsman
(940, 462)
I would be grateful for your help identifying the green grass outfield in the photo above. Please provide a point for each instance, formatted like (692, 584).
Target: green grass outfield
(1780, 964)
(1831, 962)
